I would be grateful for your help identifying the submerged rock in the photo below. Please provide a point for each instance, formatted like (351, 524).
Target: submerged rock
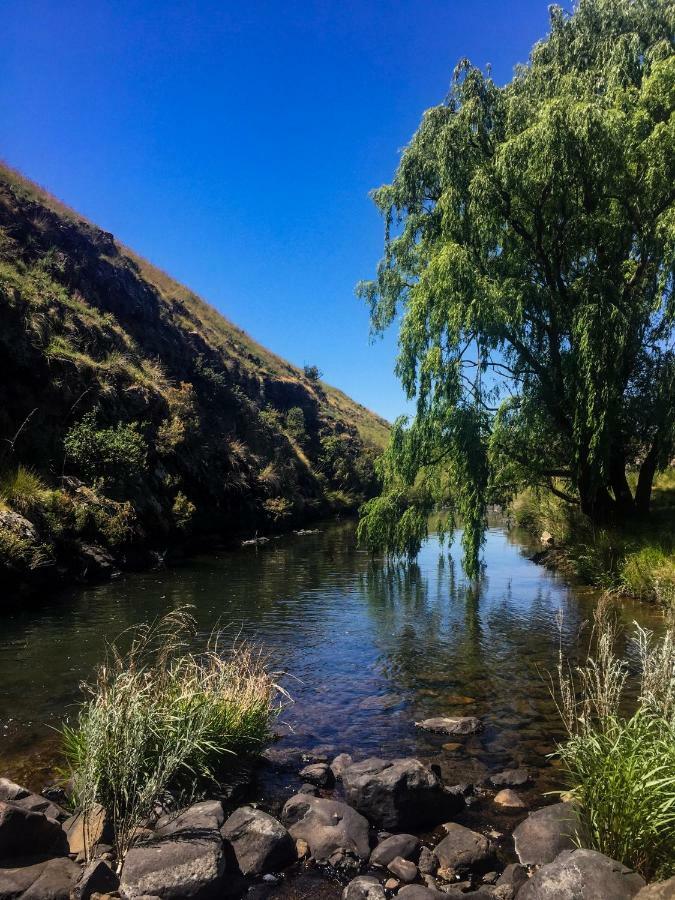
(329, 827)
(510, 778)
(451, 725)
(545, 833)
(260, 843)
(582, 875)
(404, 793)
(508, 799)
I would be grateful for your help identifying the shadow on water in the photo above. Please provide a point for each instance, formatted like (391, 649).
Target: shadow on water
(371, 648)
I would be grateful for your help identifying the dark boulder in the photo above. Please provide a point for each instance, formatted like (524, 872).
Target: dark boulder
(403, 869)
(406, 846)
(463, 849)
(328, 826)
(319, 774)
(364, 888)
(50, 880)
(11, 792)
(24, 833)
(97, 878)
(545, 833)
(340, 763)
(404, 793)
(260, 843)
(582, 875)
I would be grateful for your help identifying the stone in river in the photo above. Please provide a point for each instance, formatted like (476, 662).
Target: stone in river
(545, 833)
(403, 869)
(451, 746)
(328, 826)
(319, 774)
(406, 846)
(510, 778)
(582, 875)
(463, 849)
(365, 887)
(341, 762)
(509, 800)
(261, 844)
(451, 724)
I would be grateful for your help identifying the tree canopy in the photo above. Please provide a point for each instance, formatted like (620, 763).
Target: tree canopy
(529, 247)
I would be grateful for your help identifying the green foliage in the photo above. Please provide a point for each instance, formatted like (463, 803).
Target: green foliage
(295, 424)
(622, 769)
(22, 489)
(117, 453)
(183, 511)
(159, 717)
(524, 225)
(314, 373)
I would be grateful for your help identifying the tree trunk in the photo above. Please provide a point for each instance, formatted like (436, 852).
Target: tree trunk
(620, 487)
(643, 491)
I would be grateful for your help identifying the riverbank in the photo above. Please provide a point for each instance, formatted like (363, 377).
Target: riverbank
(637, 560)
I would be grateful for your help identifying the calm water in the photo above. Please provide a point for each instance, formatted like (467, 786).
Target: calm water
(369, 650)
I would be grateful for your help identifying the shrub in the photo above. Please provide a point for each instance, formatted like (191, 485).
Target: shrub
(314, 373)
(23, 490)
(159, 718)
(183, 511)
(295, 424)
(115, 453)
(621, 768)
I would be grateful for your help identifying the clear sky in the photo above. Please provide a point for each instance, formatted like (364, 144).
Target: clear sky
(234, 143)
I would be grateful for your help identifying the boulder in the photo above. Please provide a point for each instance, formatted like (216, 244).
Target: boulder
(319, 774)
(508, 799)
(26, 833)
(463, 849)
(417, 892)
(406, 846)
(582, 875)
(340, 763)
(658, 890)
(545, 833)
(96, 563)
(85, 830)
(403, 869)
(184, 860)
(513, 875)
(428, 861)
(97, 878)
(21, 796)
(451, 724)
(260, 843)
(404, 793)
(510, 778)
(328, 826)
(364, 888)
(50, 880)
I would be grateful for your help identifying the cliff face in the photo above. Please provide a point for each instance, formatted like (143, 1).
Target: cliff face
(132, 413)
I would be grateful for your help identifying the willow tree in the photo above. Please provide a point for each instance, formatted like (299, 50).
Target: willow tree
(529, 241)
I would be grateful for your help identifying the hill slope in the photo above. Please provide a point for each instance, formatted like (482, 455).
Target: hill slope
(133, 414)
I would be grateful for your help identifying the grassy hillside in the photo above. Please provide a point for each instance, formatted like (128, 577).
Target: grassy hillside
(133, 414)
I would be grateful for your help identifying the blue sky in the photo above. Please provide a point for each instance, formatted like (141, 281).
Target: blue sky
(234, 143)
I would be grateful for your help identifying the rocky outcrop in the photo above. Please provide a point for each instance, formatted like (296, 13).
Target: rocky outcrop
(404, 793)
(545, 833)
(335, 832)
(260, 843)
(582, 875)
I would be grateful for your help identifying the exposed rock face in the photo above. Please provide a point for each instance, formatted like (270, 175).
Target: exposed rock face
(364, 888)
(400, 794)
(51, 880)
(545, 833)
(463, 849)
(406, 846)
(25, 833)
(328, 826)
(582, 875)
(451, 724)
(260, 843)
(658, 890)
(185, 859)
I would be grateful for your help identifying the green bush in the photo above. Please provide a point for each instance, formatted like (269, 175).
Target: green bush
(23, 490)
(160, 717)
(117, 453)
(313, 373)
(183, 512)
(295, 424)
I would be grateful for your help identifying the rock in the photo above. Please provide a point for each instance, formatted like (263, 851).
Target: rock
(658, 890)
(391, 884)
(428, 861)
(400, 794)
(403, 869)
(97, 878)
(340, 763)
(463, 849)
(451, 724)
(406, 846)
(545, 833)
(50, 880)
(302, 849)
(514, 875)
(364, 888)
(509, 800)
(14, 793)
(417, 892)
(96, 562)
(452, 746)
(311, 789)
(510, 778)
(546, 538)
(260, 843)
(328, 826)
(319, 774)
(185, 859)
(85, 830)
(289, 758)
(582, 875)
(25, 833)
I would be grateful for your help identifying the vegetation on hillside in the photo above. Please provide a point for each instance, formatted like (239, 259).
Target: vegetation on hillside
(529, 247)
(133, 414)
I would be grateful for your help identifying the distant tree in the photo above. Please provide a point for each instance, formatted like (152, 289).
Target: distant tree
(529, 246)
(314, 373)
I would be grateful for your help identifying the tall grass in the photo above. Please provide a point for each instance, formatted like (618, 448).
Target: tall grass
(619, 757)
(22, 490)
(158, 720)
